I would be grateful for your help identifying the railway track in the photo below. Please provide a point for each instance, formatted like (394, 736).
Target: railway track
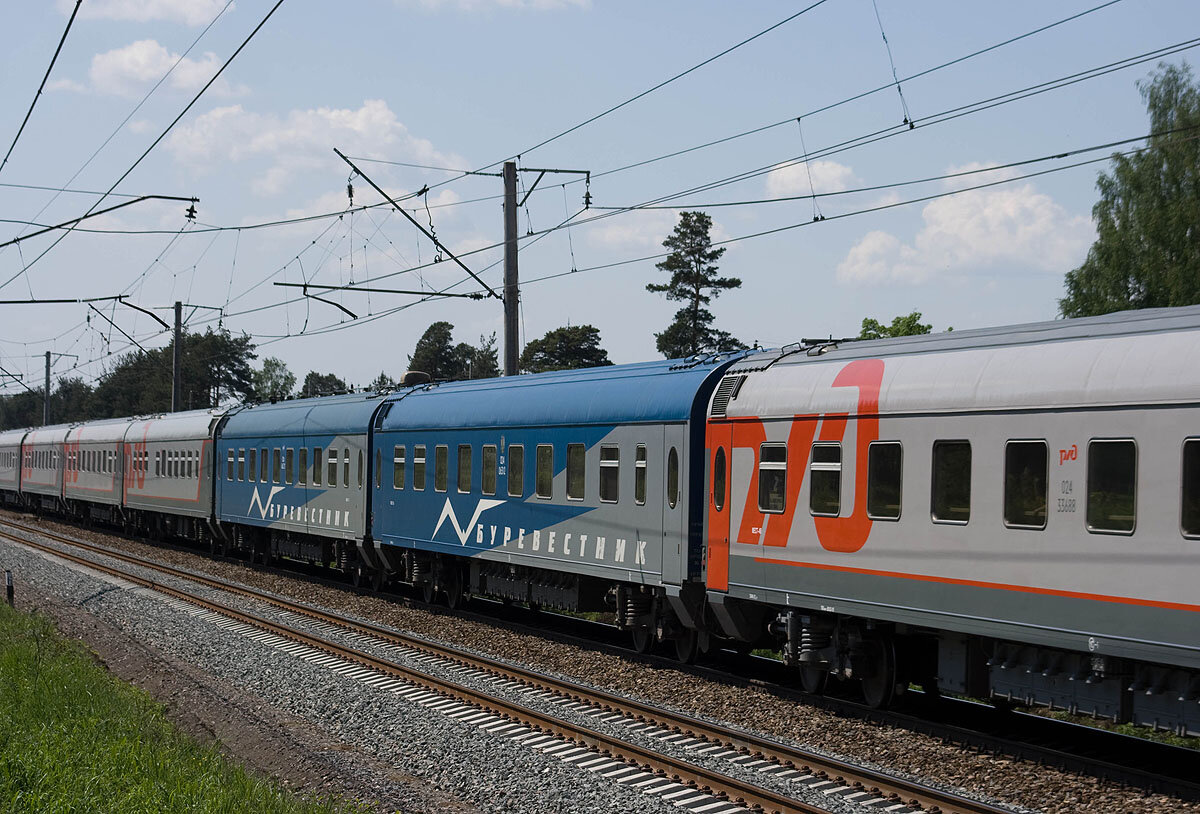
(719, 780)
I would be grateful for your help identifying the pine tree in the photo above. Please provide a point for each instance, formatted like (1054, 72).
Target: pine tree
(694, 281)
(567, 348)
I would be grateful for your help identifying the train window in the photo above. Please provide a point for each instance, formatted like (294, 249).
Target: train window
(610, 473)
(252, 464)
(318, 464)
(718, 479)
(289, 466)
(87, 459)
(263, 465)
(232, 463)
(884, 468)
(346, 468)
(418, 466)
(772, 477)
(951, 488)
(1026, 478)
(576, 470)
(672, 478)
(516, 470)
(488, 477)
(825, 480)
(332, 458)
(1112, 486)
(639, 476)
(302, 467)
(191, 464)
(398, 467)
(1190, 519)
(441, 467)
(544, 485)
(464, 467)
(359, 480)
(378, 467)
(276, 465)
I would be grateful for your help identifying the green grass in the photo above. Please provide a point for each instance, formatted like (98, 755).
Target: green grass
(75, 739)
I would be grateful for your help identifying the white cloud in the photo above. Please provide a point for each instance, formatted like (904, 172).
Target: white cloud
(301, 141)
(792, 179)
(66, 84)
(139, 126)
(188, 12)
(128, 71)
(638, 230)
(1015, 228)
(481, 5)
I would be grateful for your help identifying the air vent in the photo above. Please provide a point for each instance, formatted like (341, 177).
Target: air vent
(726, 390)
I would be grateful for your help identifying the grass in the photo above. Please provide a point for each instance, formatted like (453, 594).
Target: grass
(75, 739)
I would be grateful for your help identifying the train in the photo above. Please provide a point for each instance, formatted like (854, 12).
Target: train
(1007, 513)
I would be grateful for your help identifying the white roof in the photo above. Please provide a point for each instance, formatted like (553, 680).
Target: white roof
(12, 438)
(187, 426)
(99, 432)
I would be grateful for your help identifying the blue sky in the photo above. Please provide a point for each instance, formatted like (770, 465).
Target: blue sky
(461, 84)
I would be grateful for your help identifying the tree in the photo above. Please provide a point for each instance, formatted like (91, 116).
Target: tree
(273, 381)
(322, 384)
(436, 355)
(567, 348)
(382, 382)
(693, 267)
(1147, 249)
(909, 325)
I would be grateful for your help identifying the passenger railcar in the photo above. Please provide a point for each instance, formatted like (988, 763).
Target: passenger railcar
(94, 470)
(575, 489)
(10, 467)
(291, 478)
(42, 467)
(169, 481)
(1008, 511)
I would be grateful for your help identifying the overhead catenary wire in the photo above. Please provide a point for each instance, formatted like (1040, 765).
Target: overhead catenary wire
(42, 86)
(161, 136)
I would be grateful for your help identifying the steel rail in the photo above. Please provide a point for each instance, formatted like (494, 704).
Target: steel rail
(881, 784)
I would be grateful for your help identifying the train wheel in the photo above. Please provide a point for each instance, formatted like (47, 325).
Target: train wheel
(814, 679)
(428, 592)
(643, 639)
(357, 575)
(455, 598)
(377, 580)
(687, 646)
(879, 688)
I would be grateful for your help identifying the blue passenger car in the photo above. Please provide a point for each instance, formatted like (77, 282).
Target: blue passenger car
(559, 487)
(291, 477)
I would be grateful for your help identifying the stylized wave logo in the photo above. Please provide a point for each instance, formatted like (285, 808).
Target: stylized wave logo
(257, 499)
(464, 531)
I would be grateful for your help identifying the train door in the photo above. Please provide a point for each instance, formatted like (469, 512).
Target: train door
(674, 562)
(718, 452)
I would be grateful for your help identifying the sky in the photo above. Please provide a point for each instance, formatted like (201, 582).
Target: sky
(462, 85)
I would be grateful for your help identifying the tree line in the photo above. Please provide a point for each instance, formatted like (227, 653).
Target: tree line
(1146, 254)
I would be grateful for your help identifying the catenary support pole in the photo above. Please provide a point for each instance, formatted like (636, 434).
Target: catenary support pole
(177, 361)
(46, 400)
(511, 290)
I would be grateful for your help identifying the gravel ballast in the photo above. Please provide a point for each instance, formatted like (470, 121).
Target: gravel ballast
(1019, 784)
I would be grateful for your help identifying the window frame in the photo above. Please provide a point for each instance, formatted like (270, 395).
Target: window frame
(641, 466)
(900, 493)
(674, 488)
(346, 468)
(318, 465)
(771, 466)
(1046, 492)
(610, 463)
(241, 468)
(399, 465)
(720, 476)
(469, 459)
(815, 466)
(1183, 483)
(420, 452)
(933, 480)
(509, 468)
(577, 468)
(537, 472)
(441, 467)
(252, 465)
(484, 469)
(1087, 488)
(302, 466)
(230, 466)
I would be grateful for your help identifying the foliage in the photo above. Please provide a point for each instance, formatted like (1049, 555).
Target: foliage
(908, 325)
(437, 355)
(322, 384)
(694, 281)
(73, 738)
(566, 348)
(273, 381)
(1147, 249)
(382, 382)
